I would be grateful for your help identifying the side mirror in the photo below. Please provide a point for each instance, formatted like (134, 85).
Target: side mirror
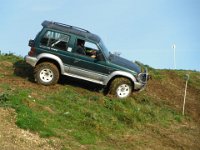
(117, 53)
(31, 43)
(99, 56)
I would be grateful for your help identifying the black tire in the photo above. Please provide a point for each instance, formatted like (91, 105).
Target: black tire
(46, 73)
(121, 87)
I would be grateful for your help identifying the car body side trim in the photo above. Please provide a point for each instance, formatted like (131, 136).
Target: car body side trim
(84, 78)
(87, 74)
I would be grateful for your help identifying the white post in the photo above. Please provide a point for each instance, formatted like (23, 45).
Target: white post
(174, 48)
(187, 78)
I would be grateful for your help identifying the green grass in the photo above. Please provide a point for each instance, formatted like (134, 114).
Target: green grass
(10, 57)
(87, 121)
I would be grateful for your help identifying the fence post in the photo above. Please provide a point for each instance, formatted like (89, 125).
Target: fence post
(187, 78)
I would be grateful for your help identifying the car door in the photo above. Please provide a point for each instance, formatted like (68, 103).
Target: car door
(87, 67)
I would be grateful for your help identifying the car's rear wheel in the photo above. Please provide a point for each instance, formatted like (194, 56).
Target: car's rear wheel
(121, 87)
(46, 73)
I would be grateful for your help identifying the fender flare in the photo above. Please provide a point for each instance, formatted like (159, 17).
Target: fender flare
(53, 57)
(122, 74)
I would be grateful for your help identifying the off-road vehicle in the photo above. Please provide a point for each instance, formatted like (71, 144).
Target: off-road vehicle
(56, 50)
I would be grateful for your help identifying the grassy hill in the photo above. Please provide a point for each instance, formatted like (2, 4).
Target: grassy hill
(76, 114)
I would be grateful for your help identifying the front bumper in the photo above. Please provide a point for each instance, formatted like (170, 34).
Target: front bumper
(31, 60)
(142, 80)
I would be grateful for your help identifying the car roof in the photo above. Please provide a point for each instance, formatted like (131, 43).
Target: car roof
(71, 29)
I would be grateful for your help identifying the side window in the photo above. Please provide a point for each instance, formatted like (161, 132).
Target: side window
(55, 40)
(86, 48)
(91, 49)
(90, 46)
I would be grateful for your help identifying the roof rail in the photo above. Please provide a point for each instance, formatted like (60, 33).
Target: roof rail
(69, 26)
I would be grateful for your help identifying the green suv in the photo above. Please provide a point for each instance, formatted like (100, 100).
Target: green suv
(60, 49)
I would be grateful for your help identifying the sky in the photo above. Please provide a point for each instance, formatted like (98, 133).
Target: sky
(142, 30)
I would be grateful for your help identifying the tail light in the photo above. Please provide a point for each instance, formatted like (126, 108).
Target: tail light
(32, 51)
(31, 43)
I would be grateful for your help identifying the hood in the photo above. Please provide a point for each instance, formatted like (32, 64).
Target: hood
(124, 63)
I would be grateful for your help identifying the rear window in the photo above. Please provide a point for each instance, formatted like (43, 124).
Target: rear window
(55, 40)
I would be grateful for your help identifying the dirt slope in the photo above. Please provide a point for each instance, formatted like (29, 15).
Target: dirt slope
(12, 137)
(171, 89)
(168, 90)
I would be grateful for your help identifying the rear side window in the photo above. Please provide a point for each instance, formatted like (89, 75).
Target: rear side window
(55, 40)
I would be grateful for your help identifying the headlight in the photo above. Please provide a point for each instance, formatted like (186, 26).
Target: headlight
(143, 76)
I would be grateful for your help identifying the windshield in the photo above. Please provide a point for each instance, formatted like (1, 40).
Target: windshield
(104, 49)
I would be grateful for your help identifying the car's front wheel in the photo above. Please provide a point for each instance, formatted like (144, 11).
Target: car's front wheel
(46, 73)
(121, 87)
